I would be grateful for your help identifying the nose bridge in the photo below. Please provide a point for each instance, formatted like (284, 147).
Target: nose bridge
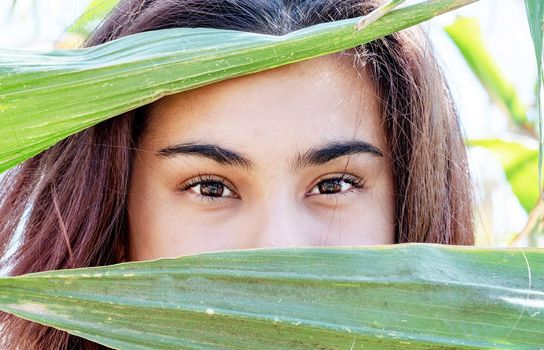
(281, 223)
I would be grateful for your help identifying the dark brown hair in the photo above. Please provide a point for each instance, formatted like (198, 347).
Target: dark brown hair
(66, 207)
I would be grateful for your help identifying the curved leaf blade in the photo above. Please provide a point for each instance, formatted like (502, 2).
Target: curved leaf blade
(409, 296)
(467, 36)
(95, 12)
(520, 164)
(45, 97)
(535, 16)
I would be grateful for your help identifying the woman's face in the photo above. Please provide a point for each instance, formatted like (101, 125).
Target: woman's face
(293, 156)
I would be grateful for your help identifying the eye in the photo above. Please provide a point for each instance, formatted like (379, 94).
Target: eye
(207, 186)
(337, 185)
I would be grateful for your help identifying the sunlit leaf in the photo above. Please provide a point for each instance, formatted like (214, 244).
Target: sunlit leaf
(409, 296)
(378, 13)
(45, 97)
(95, 12)
(466, 34)
(520, 165)
(535, 15)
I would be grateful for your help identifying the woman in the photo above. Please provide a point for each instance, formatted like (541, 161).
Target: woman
(360, 147)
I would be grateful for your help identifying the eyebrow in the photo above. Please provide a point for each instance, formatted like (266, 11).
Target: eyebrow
(312, 157)
(220, 154)
(321, 155)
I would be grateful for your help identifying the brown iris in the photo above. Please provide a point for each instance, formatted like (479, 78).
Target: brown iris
(214, 189)
(330, 186)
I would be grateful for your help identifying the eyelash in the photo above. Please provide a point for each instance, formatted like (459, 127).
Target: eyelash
(356, 182)
(206, 178)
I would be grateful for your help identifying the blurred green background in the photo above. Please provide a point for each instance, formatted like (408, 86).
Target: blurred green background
(487, 54)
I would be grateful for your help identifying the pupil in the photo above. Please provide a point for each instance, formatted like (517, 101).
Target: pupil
(331, 186)
(214, 189)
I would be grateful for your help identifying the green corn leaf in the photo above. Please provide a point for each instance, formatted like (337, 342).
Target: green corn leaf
(12, 8)
(378, 13)
(408, 296)
(45, 97)
(535, 15)
(520, 165)
(95, 12)
(467, 36)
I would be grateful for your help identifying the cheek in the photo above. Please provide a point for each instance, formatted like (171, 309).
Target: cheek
(369, 221)
(162, 223)
(162, 228)
(383, 204)
(159, 227)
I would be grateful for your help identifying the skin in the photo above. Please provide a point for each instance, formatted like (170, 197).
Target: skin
(272, 119)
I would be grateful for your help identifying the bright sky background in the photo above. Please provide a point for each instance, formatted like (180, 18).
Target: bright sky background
(37, 24)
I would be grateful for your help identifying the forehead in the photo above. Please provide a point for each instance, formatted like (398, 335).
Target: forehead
(319, 100)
